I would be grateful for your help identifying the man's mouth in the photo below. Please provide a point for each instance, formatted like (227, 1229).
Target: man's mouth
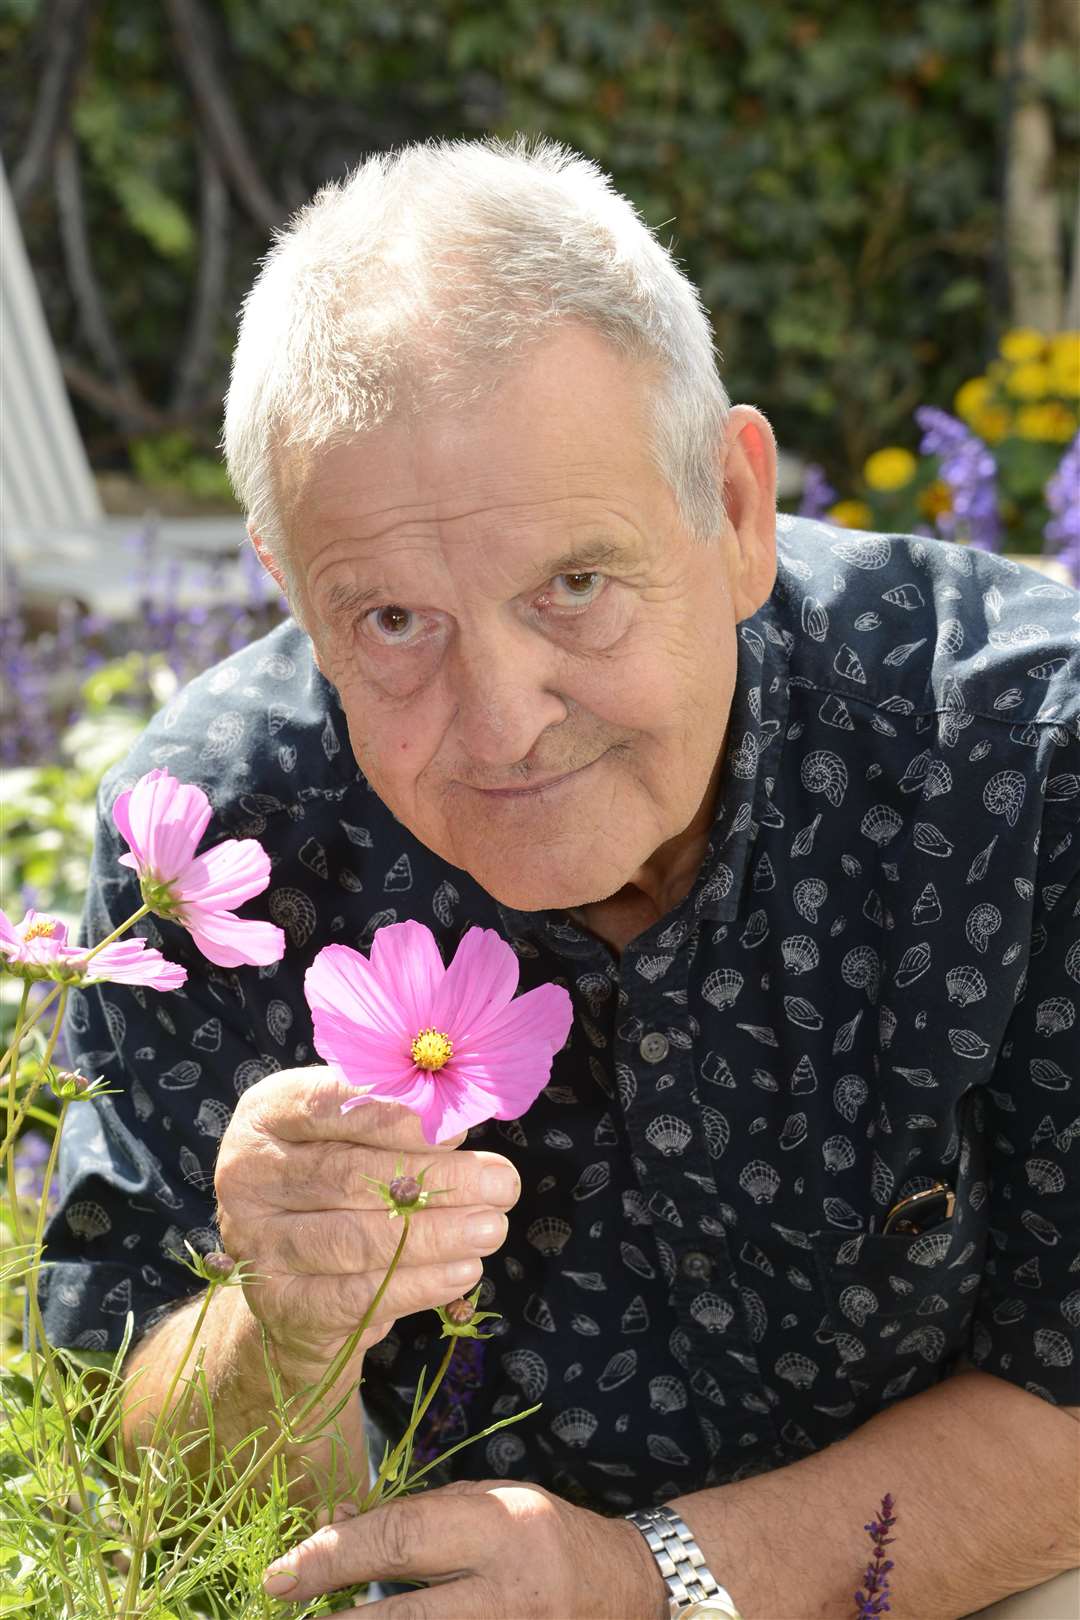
(534, 788)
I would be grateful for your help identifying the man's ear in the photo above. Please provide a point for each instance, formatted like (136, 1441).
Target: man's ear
(269, 562)
(749, 473)
(288, 589)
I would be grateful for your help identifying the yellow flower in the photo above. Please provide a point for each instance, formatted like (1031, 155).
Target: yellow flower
(1051, 423)
(971, 397)
(1029, 381)
(935, 499)
(1022, 343)
(890, 469)
(1065, 364)
(991, 423)
(851, 514)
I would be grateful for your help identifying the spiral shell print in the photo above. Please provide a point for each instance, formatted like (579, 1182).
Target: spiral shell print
(825, 772)
(808, 896)
(1003, 795)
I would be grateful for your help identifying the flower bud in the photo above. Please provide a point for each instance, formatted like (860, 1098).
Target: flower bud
(218, 1265)
(405, 1191)
(460, 1312)
(69, 1083)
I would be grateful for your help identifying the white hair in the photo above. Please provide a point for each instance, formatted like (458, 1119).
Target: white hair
(414, 283)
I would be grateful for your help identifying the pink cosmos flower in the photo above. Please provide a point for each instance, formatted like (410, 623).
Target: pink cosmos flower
(449, 1043)
(163, 820)
(38, 949)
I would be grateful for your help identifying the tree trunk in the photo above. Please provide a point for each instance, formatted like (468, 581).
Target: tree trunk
(1033, 226)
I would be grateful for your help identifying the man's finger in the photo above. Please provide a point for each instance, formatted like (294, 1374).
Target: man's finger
(344, 1241)
(338, 1175)
(412, 1539)
(304, 1105)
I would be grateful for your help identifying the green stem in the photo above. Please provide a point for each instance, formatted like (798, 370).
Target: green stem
(35, 1266)
(50, 1169)
(13, 1196)
(325, 1384)
(43, 1007)
(24, 1111)
(20, 1018)
(136, 916)
(470, 1440)
(57, 1388)
(142, 1542)
(390, 1467)
(37, 1326)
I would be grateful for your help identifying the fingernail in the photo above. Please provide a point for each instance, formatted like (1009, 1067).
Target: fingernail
(279, 1582)
(483, 1230)
(500, 1187)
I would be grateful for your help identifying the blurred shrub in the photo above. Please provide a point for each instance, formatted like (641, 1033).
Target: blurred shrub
(1001, 472)
(826, 171)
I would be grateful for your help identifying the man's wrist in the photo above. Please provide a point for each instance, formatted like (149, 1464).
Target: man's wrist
(645, 1587)
(687, 1581)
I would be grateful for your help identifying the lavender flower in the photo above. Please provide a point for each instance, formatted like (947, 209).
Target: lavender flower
(444, 1423)
(873, 1600)
(42, 671)
(1063, 499)
(31, 1155)
(818, 494)
(970, 471)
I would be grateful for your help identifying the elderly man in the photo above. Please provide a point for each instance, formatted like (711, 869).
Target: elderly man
(797, 826)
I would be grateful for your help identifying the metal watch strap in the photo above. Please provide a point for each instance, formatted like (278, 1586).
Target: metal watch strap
(680, 1559)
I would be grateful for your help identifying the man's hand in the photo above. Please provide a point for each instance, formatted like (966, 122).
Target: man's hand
(293, 1201)
(492, 1549)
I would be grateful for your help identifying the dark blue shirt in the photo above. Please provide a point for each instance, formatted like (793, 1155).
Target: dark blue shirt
(871, 987)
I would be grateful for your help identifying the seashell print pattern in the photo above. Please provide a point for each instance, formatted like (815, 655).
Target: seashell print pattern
(871, 986)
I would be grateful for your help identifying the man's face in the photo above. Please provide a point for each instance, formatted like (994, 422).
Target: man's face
(535, 659)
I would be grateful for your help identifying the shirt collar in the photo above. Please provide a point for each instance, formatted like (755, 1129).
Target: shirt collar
(755, 739)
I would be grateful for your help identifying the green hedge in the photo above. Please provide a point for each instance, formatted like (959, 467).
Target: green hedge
(828, 171)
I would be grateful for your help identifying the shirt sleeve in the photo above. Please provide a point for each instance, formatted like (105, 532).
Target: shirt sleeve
(1027, 1321)
(136, 1168)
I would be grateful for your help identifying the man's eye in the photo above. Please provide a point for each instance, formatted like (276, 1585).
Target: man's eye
(391, 623)
(581, 587)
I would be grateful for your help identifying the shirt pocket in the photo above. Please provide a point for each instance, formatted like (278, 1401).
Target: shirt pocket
(897, 1308)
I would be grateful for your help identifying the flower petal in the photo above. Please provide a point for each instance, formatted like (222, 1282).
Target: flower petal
(162, 820)
(224, 877)
(454, 1106)
(132, 961)
(480, 980)
(8, 936)
(57, 934)
(406, 958)
(231, 941)
(364, 1056)
(510, 1087)
(540, 1019)
(413, 1092)
(342, 982)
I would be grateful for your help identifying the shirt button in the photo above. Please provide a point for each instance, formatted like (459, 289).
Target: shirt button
(696, 1264)
(654, 1047)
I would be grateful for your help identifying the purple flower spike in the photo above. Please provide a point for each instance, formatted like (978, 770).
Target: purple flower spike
(818, 494)
(1063, 499)
(970, 471)
(874, 1600)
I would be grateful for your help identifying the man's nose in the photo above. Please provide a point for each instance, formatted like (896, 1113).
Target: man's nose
(505, 699)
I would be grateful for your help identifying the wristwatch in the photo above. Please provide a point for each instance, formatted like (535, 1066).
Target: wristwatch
(693, 1591)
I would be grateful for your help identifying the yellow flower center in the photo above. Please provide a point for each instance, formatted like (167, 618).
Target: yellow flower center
(43, 928)
(432, 1050)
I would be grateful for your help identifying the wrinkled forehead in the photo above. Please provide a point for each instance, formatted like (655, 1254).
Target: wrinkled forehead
(572, 421)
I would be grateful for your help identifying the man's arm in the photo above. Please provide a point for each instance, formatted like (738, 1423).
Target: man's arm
(239, 1390)
(986, 1481)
